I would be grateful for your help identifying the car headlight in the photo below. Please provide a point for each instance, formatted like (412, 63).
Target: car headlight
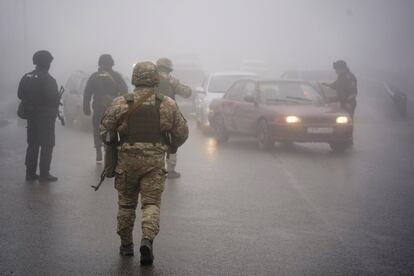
(342, 120)
(292, 119)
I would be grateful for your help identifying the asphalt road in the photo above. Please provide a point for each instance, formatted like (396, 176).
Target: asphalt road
(298, 210)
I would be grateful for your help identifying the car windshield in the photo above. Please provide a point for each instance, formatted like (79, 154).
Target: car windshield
(220, 84)
(289, 92)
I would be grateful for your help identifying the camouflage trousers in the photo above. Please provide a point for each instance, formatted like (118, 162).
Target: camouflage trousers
(147, 181)
(171, 161)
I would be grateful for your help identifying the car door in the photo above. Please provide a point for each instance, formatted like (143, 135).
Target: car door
(246, 113)
(229, 104)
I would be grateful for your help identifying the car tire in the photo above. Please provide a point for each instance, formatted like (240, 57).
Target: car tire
(264, 139)
(339, 147)
(220, 132)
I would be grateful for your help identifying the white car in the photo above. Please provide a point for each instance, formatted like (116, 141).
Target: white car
(214, 87)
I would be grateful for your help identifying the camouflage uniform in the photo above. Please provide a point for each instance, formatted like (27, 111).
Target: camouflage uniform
(141, 167)
(169, 86)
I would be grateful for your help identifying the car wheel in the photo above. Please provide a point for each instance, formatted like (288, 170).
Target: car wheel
(220, 132)
(339, 147)
(264, 139)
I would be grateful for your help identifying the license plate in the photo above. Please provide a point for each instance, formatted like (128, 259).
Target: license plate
(320, 130)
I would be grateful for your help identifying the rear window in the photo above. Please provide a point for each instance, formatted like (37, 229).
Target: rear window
(289, 92)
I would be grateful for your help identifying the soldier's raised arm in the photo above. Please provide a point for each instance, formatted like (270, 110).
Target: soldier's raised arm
(179, 88)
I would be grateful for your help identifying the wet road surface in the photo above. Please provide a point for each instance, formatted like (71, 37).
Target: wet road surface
(236, 210)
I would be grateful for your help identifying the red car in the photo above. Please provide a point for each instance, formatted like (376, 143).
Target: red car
(280, 110)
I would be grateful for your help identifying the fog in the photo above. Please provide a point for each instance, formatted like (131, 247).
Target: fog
(257, 204)
(373, 36)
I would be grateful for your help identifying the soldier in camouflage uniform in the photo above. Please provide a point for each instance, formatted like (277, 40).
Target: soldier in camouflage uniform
(103, 86)
(143, 121)
(169, 86)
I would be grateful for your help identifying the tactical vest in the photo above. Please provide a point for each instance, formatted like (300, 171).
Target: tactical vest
(165, 88)
(144, 122)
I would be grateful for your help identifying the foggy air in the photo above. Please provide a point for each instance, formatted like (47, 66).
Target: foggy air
(172, 137)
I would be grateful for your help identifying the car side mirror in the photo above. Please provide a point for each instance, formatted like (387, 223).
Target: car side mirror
(200, 90)
(249, 99)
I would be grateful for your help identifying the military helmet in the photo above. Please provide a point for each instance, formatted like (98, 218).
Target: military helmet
(340, 64)
(106, 60)
(165, 64)
(145, 74)
(42, 58)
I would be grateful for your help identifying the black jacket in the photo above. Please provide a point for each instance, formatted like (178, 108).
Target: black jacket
(103, 86)
(346, 87)
(38, 89)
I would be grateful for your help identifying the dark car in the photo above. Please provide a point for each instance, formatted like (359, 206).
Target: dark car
(282, 111)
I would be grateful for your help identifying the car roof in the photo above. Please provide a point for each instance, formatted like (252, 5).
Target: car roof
(284, 80)
(233, 73)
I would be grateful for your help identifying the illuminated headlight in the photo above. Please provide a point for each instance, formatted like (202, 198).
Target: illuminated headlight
(342, 120)
(292, 119)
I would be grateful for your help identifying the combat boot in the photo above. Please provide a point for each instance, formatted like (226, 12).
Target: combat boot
(98, 155)
(126, 250)
(173, 175)
(146, 252)
(47, 178)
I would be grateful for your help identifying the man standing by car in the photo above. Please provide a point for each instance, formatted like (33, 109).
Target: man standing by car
(345, 85)
(40, 97)
(103, 85)
(169, 86)
(144, 121)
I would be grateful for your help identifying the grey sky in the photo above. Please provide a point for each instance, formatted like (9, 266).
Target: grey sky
(287, 34)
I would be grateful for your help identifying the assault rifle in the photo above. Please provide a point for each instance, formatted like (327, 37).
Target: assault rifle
(60, 113)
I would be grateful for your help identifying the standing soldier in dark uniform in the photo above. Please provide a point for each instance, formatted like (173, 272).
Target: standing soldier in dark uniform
(346, 86)
(143, 120)
(39, 93)
(169, 86)
(103, 85)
